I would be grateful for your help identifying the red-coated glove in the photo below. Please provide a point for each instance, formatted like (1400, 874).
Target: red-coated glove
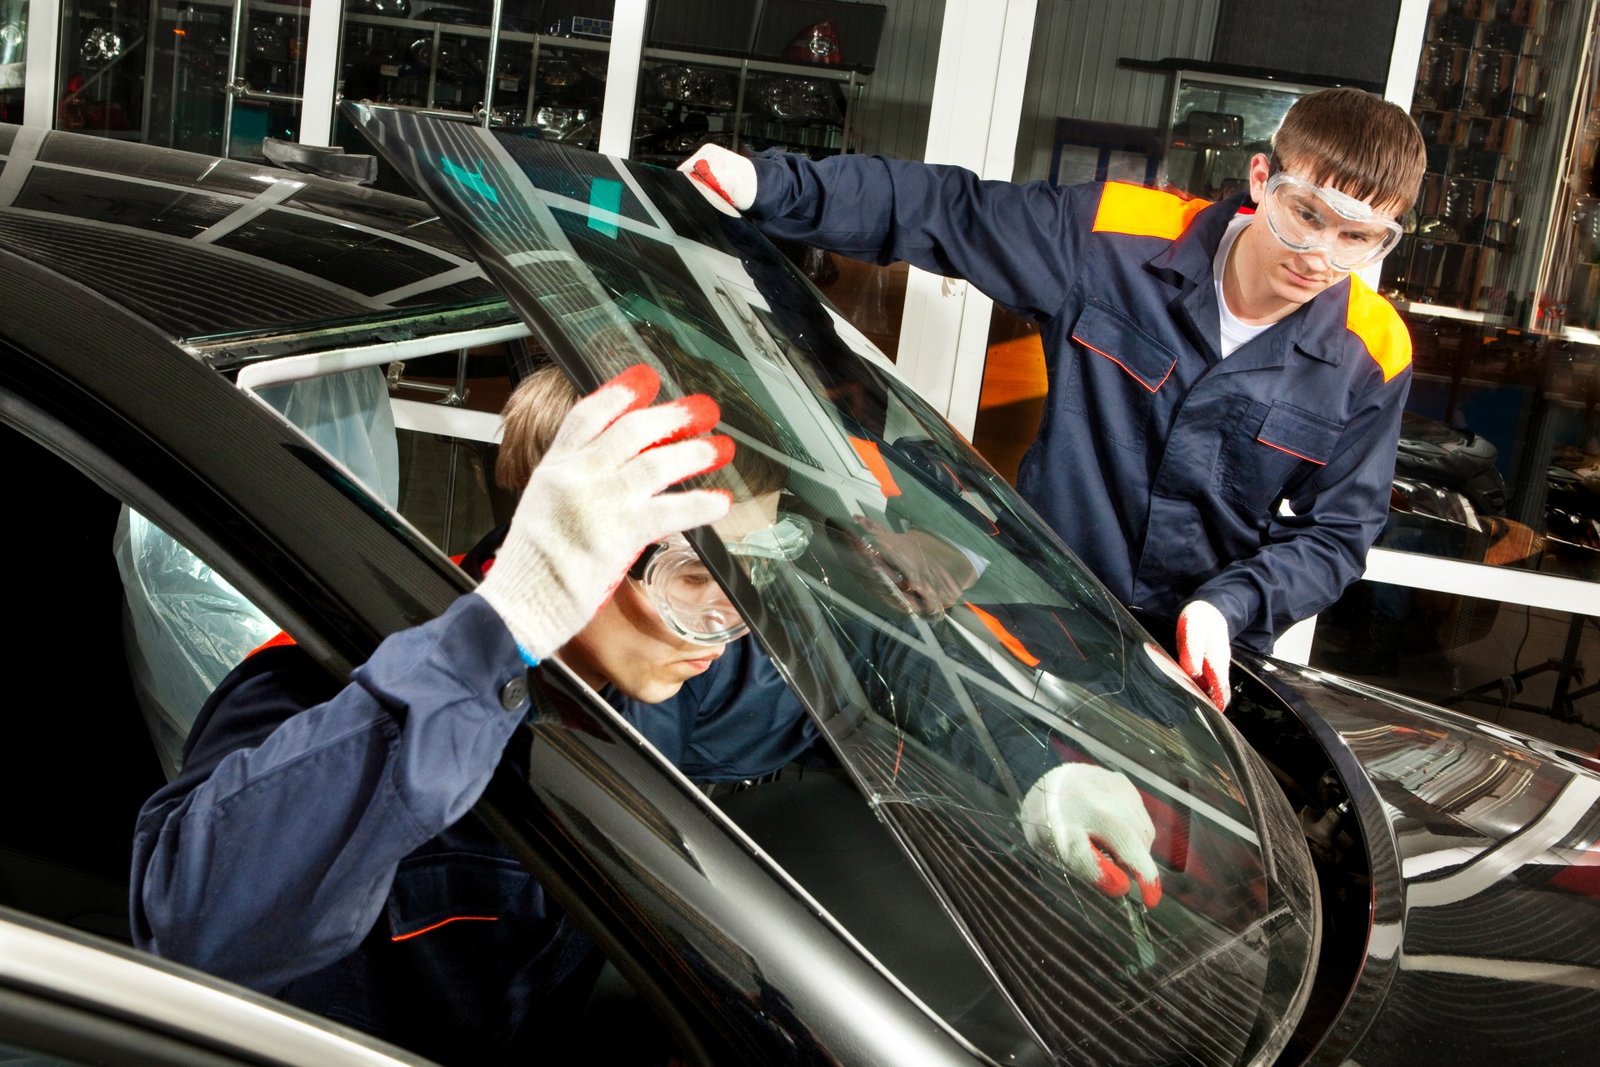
(1204, 650)
(596, 499)
(1093, 822)
(726, 178)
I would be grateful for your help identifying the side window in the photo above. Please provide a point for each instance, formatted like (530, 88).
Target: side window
(421, 434)
(407, 433)
(185, 627)
(77, 760)
(447, 413)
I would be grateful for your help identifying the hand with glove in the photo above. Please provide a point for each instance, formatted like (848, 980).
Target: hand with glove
(596, 499)
(726, 178)
(1204, 650)
(1093, 823)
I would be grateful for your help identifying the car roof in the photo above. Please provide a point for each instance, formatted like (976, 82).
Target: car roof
(245, 258)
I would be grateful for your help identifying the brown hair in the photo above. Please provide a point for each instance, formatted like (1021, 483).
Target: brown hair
(1355, 142)
(534, 412)
(528, 424)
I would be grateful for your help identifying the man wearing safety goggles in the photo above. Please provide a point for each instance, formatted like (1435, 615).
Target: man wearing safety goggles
(345, 805)
(1224, 394)
(651, 644)
(687, 597)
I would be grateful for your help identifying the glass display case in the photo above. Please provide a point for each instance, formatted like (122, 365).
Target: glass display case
(208, 76)
(13, 57)
(548, 61)
(220, 76)
(1569, 304)
(103, 69)
(1215, 122)
(1499, 453)
(1493, 91)
(686, 99)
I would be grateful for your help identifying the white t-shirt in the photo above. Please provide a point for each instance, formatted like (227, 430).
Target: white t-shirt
(1232, 332)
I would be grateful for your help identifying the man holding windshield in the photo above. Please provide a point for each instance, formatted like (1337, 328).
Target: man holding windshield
(315, 845)
(1225, 397)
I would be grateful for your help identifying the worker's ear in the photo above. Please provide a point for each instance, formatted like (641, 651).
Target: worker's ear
(1260, 171)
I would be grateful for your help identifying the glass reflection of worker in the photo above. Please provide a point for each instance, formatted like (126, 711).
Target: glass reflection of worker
(1208, 364)
(314, 845)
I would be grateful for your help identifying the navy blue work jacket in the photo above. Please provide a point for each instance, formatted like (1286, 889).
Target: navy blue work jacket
(1160, 464)
(316, 845)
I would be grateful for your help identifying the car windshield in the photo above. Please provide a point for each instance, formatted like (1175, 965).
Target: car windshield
(947, 645)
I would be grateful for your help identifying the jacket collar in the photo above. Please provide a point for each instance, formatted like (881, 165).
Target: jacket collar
(1189, 257)
(1316, 330)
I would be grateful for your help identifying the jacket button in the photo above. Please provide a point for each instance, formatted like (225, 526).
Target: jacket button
(514, 694)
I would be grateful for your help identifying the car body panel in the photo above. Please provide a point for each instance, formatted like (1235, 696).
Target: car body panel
(1484, 875)
(340, 570)
(156, 1003)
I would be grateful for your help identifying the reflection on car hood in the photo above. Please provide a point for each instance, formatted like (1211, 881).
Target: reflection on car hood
(949, 648)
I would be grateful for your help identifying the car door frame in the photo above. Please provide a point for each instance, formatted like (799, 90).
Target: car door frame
(243, 490)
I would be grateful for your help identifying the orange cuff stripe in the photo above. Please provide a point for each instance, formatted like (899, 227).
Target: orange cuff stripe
(446, 922)
(1003, 635)
(876, 465)
(281, 638)
(1069, 636)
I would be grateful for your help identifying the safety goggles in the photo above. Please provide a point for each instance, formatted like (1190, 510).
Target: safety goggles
(1312, 218)
(687, 596)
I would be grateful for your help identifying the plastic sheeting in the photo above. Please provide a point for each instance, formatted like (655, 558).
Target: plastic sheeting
(184, 625)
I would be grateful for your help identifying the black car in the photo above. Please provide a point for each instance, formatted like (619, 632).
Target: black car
(237, 401)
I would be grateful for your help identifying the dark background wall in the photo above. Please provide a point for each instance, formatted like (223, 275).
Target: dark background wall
(1348, 40)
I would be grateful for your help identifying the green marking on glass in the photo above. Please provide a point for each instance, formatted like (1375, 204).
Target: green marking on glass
(606, 195)
(470, 178)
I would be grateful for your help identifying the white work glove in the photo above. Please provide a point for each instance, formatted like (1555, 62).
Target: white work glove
(1204, 650)
(596, 500)
(726, 178)
(1093, 822)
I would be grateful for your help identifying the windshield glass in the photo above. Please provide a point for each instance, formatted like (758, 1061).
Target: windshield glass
(948, 646)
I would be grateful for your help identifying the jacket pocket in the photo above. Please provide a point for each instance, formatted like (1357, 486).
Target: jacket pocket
(1108, 335)
(1273, 447)
(460, 890)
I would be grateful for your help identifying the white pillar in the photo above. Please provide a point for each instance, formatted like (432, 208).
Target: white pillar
(1410, 25)
(975, 113)
(622, 76)
(39, 85)
(322, 72)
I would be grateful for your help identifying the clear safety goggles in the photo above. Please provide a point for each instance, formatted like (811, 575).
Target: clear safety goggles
(1312, 218)
(686, 594)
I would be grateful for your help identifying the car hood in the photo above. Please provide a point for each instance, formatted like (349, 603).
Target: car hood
(947, 645)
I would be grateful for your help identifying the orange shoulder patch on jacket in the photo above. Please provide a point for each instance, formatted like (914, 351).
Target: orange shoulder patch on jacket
(1142, 212)
(1380, 327)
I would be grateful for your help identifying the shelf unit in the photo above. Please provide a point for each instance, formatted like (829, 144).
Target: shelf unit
(687, 98)
(1491, 97)
(1569, 283)
(556, 85)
